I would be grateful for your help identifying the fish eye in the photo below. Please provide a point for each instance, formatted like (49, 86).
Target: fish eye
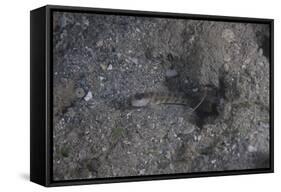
(139, 96)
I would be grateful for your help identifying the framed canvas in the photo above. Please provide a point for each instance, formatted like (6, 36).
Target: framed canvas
(119, 95)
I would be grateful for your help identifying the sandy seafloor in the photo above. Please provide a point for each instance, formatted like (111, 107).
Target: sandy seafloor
(100, 61)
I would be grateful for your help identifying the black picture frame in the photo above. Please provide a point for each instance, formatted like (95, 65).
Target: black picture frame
(41, 100)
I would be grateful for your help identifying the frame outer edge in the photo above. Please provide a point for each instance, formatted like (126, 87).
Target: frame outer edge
(48, 124)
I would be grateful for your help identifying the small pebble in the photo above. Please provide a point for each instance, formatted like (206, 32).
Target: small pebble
(103, 149)
(89, 96)
(142, 171)
(85, 21)
(180, 119)
(260, 51)
(79, 92)
(226, 67)
(168, 155)
(99, 43)
(260, 63)
(82, 154)
(228, 35)
(135, 61)
(247, 61)
(171, 73)
(192, 38)
(251, 148)
(226, 58)
(109, 67)
(188, 130)
(101, 78)
(103, 66)
(195, 89)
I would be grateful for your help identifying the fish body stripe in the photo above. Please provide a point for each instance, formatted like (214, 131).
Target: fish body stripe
(150, 98)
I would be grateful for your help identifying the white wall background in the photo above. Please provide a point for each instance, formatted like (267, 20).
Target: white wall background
(14, 94)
